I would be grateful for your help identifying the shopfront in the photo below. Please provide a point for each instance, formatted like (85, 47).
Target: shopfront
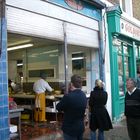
(63, 39)
(60, 38)
(124, 42)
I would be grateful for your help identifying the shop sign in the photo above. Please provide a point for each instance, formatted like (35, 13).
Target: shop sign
(75, 4)
(129, 29)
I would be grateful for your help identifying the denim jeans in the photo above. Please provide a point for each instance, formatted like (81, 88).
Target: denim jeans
(100, 135)
(68, 137)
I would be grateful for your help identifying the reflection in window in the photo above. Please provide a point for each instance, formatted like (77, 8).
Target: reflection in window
(125, 49)
(138, 58)
(120, 76)
(120, 49)
(137, 52)
(78, 61)
(79, 64)
(123, 67)
(126, 67)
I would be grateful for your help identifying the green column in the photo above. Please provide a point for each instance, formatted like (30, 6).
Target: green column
(113, 20)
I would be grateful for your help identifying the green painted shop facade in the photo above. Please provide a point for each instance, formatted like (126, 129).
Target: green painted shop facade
(124, 43)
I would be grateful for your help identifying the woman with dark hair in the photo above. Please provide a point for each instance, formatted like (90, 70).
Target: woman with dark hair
(99, 118)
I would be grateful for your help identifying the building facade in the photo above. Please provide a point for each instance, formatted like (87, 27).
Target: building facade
(124, 42)
(60, 38)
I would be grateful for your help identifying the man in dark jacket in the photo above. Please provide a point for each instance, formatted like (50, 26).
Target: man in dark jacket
(132, 109)
(73, 105)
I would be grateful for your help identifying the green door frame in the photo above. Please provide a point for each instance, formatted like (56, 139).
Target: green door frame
(113, 19)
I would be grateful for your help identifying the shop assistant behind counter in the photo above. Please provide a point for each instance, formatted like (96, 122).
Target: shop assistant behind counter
(39, 88)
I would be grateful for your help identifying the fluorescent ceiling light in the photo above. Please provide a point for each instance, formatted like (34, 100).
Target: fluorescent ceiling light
(77, 58)
(20, 64)
(19, 47)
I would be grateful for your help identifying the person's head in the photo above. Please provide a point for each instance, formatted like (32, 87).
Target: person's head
(43, 75)
(99, 83)
(131, 84)
(76, 81)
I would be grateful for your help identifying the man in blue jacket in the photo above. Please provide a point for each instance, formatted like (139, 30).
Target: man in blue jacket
(73, 105)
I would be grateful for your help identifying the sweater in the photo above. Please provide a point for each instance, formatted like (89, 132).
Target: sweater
(132, 104)
(73, 105)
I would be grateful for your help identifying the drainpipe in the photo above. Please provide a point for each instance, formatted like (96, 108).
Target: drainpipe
(65, 57)
(2, 15)
(101, 54)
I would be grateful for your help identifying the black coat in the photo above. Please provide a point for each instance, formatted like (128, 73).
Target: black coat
(99, 118)
(73, 105)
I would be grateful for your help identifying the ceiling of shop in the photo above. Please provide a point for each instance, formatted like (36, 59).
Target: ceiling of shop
(16, 39)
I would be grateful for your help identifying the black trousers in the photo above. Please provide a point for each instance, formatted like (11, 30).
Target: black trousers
(133, 127)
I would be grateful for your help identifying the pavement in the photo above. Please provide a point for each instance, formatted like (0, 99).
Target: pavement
(119, 132)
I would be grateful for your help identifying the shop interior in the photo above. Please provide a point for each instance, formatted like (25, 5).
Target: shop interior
(29, 56)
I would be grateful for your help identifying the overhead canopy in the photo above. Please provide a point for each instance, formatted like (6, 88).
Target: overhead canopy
(96, 3)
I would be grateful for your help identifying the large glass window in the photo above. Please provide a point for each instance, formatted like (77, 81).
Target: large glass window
(80, 57)
(138, 57)
(31, 60)
(123, 67)
(120, 71)
(39, 55)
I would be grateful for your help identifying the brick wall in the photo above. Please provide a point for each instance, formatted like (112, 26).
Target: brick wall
(114, 1)
(136, 9)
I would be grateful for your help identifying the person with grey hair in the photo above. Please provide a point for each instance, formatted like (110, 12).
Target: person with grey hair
(132, 109)
(73, 105)
(39, 88)
(99, 117)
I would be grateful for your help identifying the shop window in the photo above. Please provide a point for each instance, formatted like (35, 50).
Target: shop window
(126, 67)
(125, 48)
(120, 49)
(138, 57)
(123, 67)
(78, 65)
(78, 61)
(28, 63)
(120, 71)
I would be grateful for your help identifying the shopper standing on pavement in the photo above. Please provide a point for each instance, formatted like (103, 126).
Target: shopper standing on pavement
(99, 118)
(132, 109)
(73, 105)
